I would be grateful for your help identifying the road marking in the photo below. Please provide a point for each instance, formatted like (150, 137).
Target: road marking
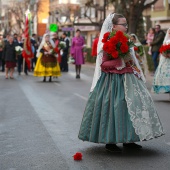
(57, 84)
(168, 143)
(80, 96)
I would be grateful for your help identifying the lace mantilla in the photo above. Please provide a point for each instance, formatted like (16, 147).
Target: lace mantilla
(142, 111)
(107, 27)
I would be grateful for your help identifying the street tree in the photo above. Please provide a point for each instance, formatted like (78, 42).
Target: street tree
(16, 15)
(132, 10)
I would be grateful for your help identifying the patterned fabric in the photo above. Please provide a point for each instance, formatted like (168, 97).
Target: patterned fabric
(49, 61)
(119, 110)
(10, 64)
(48, 68)
(161, 82)
(142, 109)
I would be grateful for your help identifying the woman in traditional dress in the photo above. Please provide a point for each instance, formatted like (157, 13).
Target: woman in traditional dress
(77, 52)
(139, 52)
(47, 64)
(119, 108)
(161, 82)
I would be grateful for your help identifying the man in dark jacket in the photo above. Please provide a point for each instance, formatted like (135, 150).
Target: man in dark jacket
(156, 44)
(64, 58)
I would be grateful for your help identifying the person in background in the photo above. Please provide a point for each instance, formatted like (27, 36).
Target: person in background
(150, 37)
(2, 44)
(77, 46)
(94, 46)
(15, 37)
(6, 39)
(34, 45)
(20, 58)
(56, 40)
(161, 82)
(156, 44)
(47, 64)
(64, 58)
(139, 52)
(9, 55)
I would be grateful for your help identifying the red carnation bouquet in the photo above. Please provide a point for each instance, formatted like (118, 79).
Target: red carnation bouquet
(116, 44)
(165, 50)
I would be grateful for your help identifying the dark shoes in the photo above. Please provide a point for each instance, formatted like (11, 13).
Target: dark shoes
(112, 148)
(50, 80)
(77, 76)
(132, 145)
(44, 80)
(115, 148)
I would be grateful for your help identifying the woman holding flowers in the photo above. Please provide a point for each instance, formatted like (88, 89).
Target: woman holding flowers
(161, 82)
(119, 108)
(139, 52)
(9, 55)
(47, 64)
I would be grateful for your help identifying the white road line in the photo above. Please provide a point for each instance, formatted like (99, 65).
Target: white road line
(168, 143)
(80, 96)
(57, 84)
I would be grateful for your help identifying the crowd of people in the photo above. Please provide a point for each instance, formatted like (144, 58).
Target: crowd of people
(50, 55)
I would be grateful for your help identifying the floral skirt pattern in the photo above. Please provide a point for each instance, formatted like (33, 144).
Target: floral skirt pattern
(119, 110)
(47, 67)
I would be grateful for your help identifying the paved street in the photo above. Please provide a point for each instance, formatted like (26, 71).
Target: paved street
(39, 124)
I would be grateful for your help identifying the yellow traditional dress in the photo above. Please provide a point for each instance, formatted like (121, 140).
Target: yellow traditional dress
(47, 64)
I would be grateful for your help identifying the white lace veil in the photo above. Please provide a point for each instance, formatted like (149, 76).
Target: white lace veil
(167, 36)
(42, 44)
(107, 27)
(137, 43)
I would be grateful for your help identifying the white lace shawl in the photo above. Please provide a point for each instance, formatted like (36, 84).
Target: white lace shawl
(107, 27)
(42, 44)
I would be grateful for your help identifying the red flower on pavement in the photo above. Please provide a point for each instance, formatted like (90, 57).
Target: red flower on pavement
(78, 156)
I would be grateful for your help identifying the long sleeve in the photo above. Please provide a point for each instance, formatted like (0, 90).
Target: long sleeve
(67, 46)
(110, 66)
(158, 39)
